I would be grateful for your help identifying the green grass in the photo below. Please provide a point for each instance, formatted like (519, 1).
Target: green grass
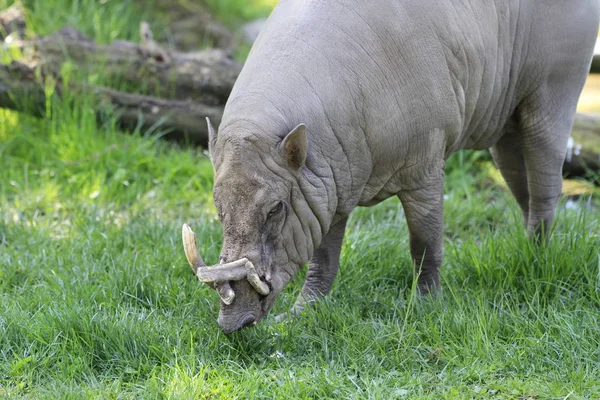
(103, 20)
(232, 12)
(97, 300)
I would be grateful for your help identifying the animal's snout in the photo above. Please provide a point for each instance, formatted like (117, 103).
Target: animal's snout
(228, 327)
(248, 320)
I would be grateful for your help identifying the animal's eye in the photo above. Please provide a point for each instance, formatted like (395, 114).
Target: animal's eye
(276, 209)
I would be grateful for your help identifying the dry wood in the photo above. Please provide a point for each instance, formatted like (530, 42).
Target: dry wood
(205, 76)
(21, 90)
(191, 25)
(583, 154)
(12, 22)
(181, 89)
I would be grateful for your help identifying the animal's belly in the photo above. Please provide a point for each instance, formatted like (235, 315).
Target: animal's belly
(484, 133)
(484, 142)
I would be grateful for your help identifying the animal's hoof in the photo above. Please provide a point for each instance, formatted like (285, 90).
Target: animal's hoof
(429, 285)
(430, 291)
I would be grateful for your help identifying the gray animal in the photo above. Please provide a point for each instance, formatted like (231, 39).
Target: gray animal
(344, 103)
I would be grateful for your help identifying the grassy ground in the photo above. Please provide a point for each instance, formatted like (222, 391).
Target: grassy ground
(97, 300)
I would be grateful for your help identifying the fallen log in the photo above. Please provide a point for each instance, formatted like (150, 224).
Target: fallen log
(12, 22)
(21, 90)
(179, 89)
(204, 76)
(191, 25)
(583, 152)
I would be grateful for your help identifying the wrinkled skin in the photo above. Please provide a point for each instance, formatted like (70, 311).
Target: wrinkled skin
(388, 90)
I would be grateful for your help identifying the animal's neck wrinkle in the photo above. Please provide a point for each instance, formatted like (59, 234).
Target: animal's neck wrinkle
(319, 205)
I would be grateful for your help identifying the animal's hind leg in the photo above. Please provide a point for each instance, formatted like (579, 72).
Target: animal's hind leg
(508, 156)
(545, 135)
(544, 157)
(545, 117)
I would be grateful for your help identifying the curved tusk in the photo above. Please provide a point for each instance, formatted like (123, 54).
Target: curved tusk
(226, 293)
(261, 287)
(219, 275)
(233, 271)
(191, 250)
(188, 236)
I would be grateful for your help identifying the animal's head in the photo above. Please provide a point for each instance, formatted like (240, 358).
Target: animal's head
(269, 229)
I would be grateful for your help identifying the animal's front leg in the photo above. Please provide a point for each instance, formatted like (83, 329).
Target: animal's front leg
(424, 214)
(323, 267)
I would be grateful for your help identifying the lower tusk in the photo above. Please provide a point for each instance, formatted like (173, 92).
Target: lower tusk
(261, 287)
(191, 249)
(226, 293)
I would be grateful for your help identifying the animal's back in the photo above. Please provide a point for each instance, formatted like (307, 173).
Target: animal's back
(392, 86)
(405, 63)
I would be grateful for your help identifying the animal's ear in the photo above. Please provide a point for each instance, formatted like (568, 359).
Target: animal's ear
(212, 137)
(295, 146)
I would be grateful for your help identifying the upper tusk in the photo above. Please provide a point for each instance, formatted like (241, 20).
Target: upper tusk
(233, 271)
(197, 263)
(191, 250)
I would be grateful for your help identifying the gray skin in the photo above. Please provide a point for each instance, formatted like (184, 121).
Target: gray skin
(345, 103)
